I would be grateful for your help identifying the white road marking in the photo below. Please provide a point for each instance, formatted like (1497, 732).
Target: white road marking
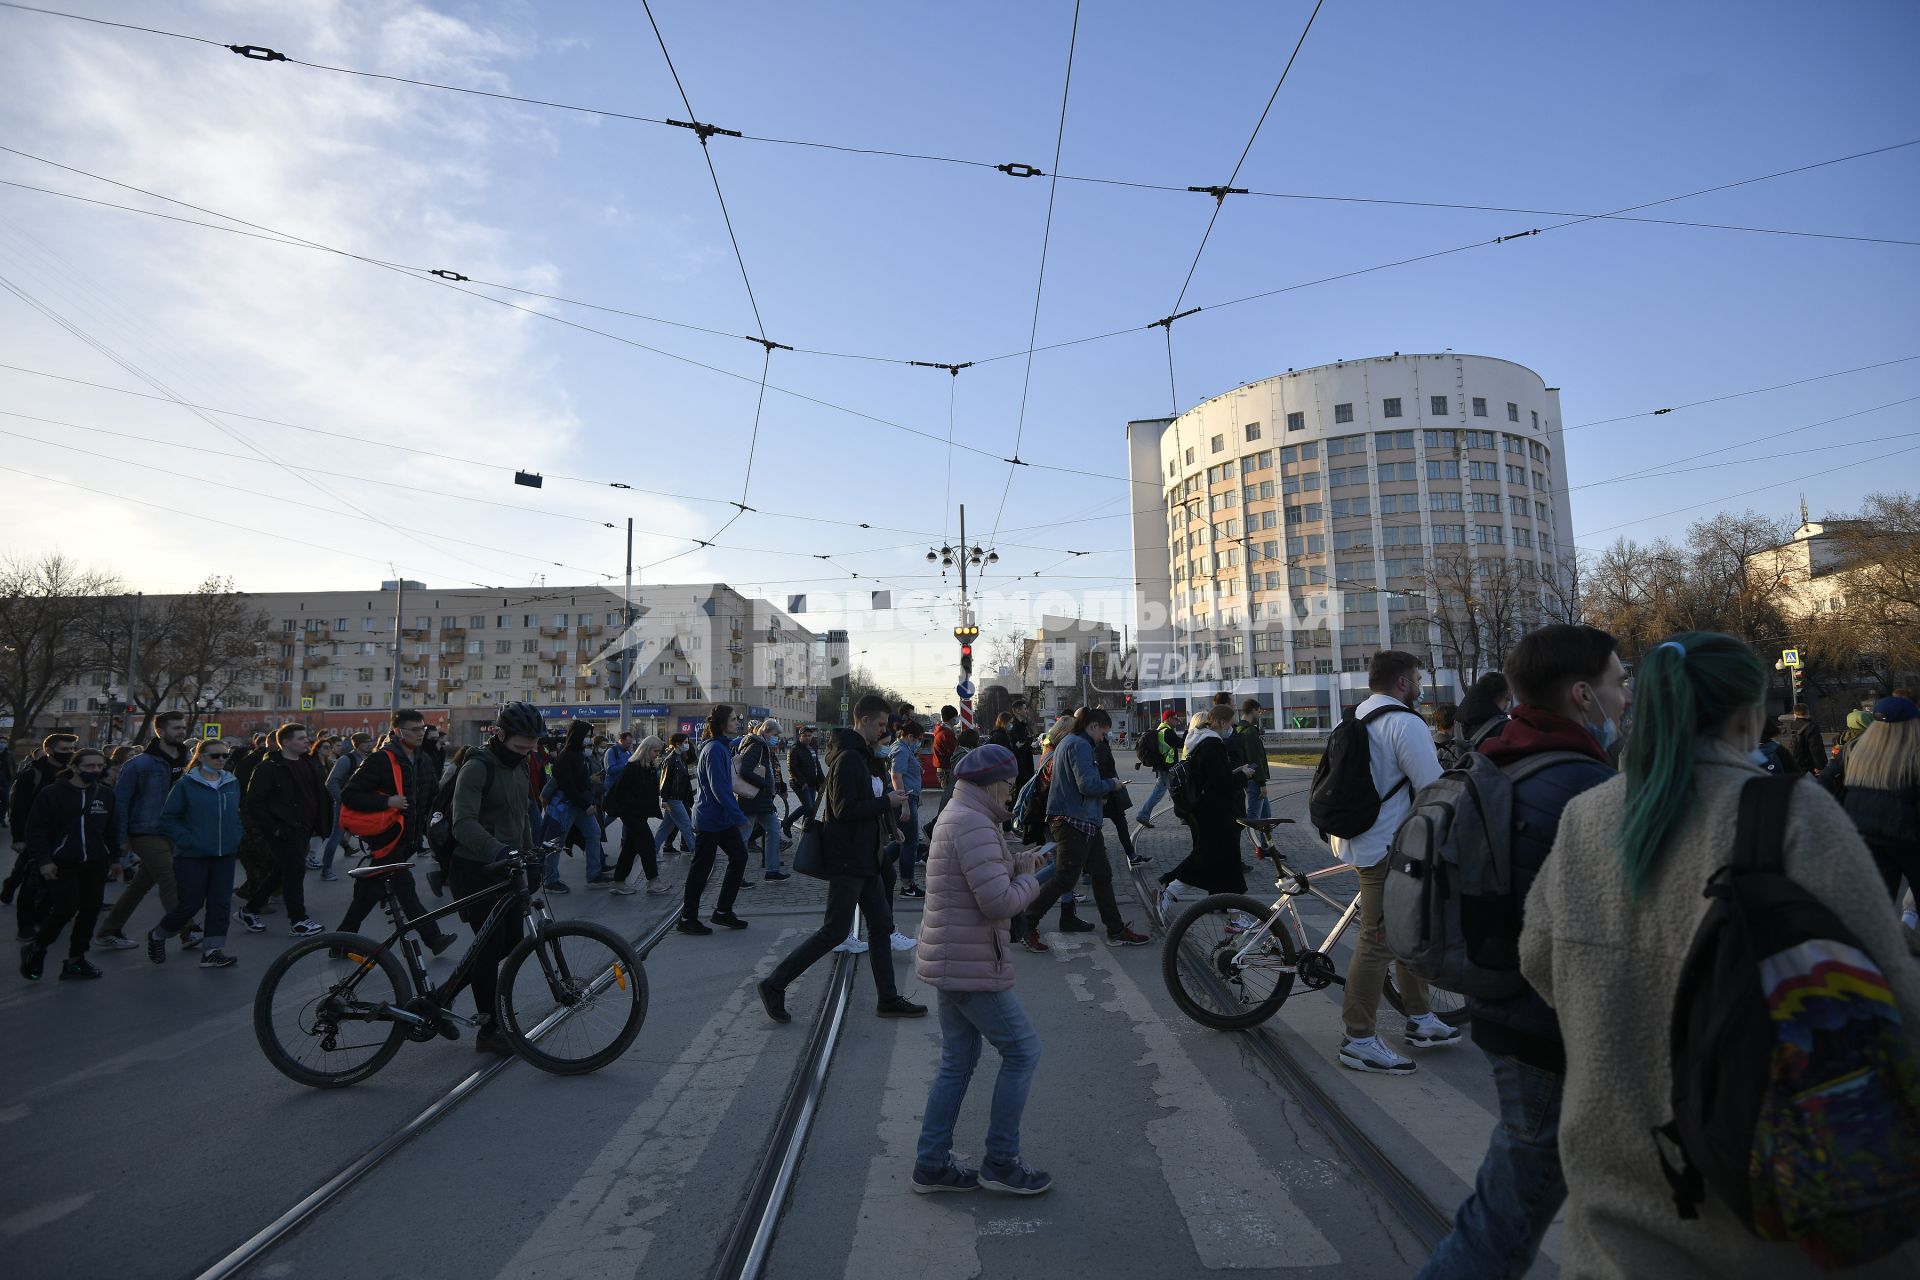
(42, 1214)
(603, 1227)
(1243, 1219)
(899, 1233)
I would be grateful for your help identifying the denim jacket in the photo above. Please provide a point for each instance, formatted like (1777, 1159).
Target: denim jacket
(141, 791)
(1078, 791)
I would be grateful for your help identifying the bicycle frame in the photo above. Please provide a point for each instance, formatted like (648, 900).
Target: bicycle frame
(1292, 884)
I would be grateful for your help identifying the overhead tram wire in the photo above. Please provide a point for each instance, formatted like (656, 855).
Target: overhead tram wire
(1040, 282)
(442, 280)
(1737, 395)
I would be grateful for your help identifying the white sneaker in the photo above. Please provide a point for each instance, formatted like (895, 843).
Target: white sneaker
(1372, 1054)
(308, 927)
(852, 946)
(624, 888)
(901, 942)
(657, 887)
(1427, 1030)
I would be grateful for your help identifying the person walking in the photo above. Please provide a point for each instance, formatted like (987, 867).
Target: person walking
(1213, 865)
(1800, 739)
(574, 794)
(634, 799)
(1113, 806)
(400, 780)
(24, 888)
(1448, 746)
(248, 758)
(1167, 743)
(492, 818)
(1876, 778)
(1609, 923)
(1570, 695)
(903, 761)
(72, 837)
(676, 794)
(286, 802)
(1403, 761)
(717, 819)
(1076, 797)
(976, 886)
(1487, 700)
(758, 767)
(806, 775)
(360, 746)
(946, 746)
(859, 813)
(1251, 730)
(139, 794)
(1021, 731)
(201, 820)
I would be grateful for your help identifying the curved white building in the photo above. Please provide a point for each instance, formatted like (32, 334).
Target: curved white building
(1309, 520)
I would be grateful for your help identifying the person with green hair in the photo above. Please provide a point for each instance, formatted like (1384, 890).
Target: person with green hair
(1608, 924)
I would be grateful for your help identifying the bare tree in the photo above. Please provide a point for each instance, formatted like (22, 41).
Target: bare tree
(205, 644)
(1481, 605)
(45, 645)
(1003, 652)
(1871, 634)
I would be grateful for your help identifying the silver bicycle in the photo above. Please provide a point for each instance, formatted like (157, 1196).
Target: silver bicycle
(1247, 955)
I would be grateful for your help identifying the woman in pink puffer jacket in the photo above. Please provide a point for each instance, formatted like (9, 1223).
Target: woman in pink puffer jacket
(975, 886)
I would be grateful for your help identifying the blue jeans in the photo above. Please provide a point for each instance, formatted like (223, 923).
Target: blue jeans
(804, 799)
(677, 815)
(1257, 806)
(201, 883)
(589, 829)
(908, 846)
(1498, 1228)
(1153, 797)
(333, 840)
(770, 824)
(966, 1017)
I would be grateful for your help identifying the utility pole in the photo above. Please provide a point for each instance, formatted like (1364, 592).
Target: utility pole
(966, 632)
(133, 663)
(625, 666)
(399, 606)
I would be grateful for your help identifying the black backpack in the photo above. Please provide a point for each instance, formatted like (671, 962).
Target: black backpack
(1796, 1100)
(1147, 751)
(1342, 801)
(440, 841)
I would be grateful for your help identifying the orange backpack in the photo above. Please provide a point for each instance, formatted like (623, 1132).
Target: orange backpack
(379, 829)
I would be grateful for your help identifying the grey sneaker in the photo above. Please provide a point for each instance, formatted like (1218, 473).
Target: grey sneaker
(1372, 1054)
(1017, 1179)
(954, 1177)
(115, 941)
(1428, 1030)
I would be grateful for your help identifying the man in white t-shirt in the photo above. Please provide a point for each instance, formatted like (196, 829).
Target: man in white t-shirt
(1403, 757)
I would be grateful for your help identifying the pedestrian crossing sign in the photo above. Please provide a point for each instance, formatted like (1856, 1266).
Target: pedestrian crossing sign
(210, 731)
(1789, 657)
(306, 704)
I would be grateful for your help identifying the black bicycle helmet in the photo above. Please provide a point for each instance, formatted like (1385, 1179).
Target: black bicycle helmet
(519, 720)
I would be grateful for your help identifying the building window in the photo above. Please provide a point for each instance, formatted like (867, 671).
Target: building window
(1539, 481)
(1218, 443)
(1443, 470)
(1343, 413)
(1390, 408)
(529, 646)
(1439, 439)
(1535, 451)
(1189, 457)
(1437, 406)
(1483, 471)
(1487, 534)
(1536, 418)
(477, 622)
(1253, 431)
(1479, 406)
(1383, 440)
(1513, 412)
(1296, 422)
(1310, 451)
(1173, 469)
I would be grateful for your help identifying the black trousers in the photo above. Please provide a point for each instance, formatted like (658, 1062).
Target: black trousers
(636, 838)
(29, 896)
(465, 876)
(286, 877)
(705, 844)
(75, 895)
(366, 896)
(844, 894)
(1077, 853)
(1895, 861)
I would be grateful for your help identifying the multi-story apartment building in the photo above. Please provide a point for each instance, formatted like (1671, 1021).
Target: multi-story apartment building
(337, 660)
(1307, 521)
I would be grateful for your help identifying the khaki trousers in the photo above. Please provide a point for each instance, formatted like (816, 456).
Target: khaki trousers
(1367, 975)
(156, 872)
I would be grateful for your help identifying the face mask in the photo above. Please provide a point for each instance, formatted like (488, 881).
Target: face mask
(88, 776)
(1759, 756)
(60, 757)
(1607, 731)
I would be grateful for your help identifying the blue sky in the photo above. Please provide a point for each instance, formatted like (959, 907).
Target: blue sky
(1579, 108)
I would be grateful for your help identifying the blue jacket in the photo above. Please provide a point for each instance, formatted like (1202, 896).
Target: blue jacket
(141, 790)
(1078, 790)
(203, 818)
(714, 806)
(617, 757)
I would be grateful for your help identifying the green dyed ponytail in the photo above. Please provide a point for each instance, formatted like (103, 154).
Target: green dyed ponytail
(1686, 686)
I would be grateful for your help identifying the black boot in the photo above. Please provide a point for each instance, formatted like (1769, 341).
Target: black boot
(1070, 922)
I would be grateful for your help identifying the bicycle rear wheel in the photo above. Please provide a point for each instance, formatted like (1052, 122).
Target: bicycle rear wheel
(317, 1011)
(572, 998)
(1449, 1006)
(1207, 983)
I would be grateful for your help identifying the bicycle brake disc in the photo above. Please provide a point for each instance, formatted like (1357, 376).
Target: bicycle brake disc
(1315, 969)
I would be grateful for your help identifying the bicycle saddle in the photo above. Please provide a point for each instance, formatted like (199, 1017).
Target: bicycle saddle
(1263, 825)
(377, 869)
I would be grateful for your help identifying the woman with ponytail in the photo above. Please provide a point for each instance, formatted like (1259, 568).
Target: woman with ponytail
(1608, 925)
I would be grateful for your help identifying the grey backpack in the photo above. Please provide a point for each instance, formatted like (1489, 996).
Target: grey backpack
(1450, 912)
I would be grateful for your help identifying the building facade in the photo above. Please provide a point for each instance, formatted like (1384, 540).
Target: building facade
(331, 659)
(1309, 520)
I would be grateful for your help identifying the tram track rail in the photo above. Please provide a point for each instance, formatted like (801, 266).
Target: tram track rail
(1426, 1220)
(303, 1210)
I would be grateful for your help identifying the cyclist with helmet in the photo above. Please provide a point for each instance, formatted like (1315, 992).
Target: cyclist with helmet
(490, 802)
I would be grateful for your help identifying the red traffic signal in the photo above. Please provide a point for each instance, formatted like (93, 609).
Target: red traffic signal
(966, 651)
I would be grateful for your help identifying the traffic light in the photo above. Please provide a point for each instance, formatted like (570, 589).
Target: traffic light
(1796, 684)
(966, 659)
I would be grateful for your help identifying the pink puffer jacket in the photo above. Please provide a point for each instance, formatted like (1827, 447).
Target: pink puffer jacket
(972, 893)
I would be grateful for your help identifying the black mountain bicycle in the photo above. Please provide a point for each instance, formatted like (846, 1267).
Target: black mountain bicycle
(336, 1007)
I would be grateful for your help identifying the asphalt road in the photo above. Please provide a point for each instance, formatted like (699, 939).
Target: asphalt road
(147, 1136)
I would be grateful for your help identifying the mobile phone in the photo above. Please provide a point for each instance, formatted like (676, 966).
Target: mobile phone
(1045, 851)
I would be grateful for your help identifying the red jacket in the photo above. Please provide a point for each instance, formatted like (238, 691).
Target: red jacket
(945, 743)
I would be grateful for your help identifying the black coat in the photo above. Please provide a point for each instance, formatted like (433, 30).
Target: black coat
(635, 795)
(72, 826)
(573, 778)
(1801, 740)
(803, 766)
(1885, 819)
(370, 786)
(272, 799)
(856, 822)
(1022, 751)
(676, 783)
(39, 774)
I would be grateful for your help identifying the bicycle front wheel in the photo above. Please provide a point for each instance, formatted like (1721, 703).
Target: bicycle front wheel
(572, 998)
(1208, 983)
(319, 1014)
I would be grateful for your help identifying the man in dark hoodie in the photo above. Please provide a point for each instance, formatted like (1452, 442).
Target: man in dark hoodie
(857, 821)
(1570, 692)
(141, 790)
(56, 753)
(399, 779)
(286, 802)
